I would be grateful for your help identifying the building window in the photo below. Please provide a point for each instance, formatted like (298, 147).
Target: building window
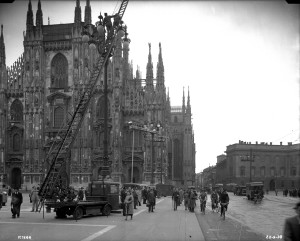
(16, 111)
(293, 171)
(16, 142)
(282, 171)
(58, 117)
(242, 171)
(175, 119)
(293, 184)
(59, 72)
(262, 171)
(272, 171)
(282, 184)
(253, 171)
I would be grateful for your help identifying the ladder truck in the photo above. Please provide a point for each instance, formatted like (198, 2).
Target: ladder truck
(97, 201)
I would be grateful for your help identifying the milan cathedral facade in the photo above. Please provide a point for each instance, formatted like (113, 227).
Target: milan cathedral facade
(39, 92)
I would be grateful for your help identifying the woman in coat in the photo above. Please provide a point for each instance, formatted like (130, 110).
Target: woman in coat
(129, 204)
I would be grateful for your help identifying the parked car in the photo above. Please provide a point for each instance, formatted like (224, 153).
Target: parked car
(4, 196)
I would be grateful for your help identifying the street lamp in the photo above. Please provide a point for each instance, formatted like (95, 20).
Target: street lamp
(102, 39)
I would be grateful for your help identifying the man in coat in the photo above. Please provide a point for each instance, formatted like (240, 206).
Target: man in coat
(34, 198)
(291, 230)
(16, 201)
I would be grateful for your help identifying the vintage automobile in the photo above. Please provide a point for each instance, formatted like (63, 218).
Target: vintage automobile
(239, 190)
(254, 188)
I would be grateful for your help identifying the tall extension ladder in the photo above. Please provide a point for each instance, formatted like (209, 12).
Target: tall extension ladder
(66, 136)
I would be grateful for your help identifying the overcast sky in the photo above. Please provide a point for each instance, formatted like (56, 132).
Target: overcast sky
(240, 60)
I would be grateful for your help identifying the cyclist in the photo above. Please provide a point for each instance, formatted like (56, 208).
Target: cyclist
(214, 200)
(203, 199)
(224, 201)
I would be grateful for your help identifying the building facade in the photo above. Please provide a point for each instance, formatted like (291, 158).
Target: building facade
(40, 91)
(277, 166)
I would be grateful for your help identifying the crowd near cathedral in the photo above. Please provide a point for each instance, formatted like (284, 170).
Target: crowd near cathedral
(39, 92)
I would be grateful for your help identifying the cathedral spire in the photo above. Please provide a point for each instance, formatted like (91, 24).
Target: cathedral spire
(149, 73)
(77, 18)
(29, 20)
(189, 102)
(39, 16)
(160, 71)
(183, 102)
(88, 13)
(2, 49)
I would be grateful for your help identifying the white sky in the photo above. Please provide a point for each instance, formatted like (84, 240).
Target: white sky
(240, 60)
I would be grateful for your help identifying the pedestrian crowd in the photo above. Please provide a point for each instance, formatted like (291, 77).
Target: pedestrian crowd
(291, 192)
(132, 197)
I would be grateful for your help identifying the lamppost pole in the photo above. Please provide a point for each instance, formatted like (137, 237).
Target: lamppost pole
(152, 158)
(132, 155)
(102, 40)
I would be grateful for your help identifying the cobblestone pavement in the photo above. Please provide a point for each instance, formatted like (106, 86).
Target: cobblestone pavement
(248, 221)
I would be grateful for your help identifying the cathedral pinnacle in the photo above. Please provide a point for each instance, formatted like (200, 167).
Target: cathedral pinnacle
(29, 20)
(88, 13)
(183, 101)
(77, 18)
(160, 76)
(2, 48)
(39, 16)
(149, 73)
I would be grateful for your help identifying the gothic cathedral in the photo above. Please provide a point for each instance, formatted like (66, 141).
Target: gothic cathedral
(39, 92)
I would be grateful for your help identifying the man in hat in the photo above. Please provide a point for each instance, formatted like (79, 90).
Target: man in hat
(16, 201)
(291, 230)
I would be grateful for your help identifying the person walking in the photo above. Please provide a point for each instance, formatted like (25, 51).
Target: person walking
(144, 195)
(139, 193)
(16, 201)
(186, 199)
(150, 200)
(135, 198)
(129, 204)
(175, 198)
(180, 196)
(123, 196)
(291, 230)
(34, 198)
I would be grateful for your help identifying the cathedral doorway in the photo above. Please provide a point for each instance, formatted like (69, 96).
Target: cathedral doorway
(16, 180)
(272, 185)
(136, 175)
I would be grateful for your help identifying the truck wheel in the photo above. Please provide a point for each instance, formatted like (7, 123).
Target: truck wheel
(106, 210)
(3, 204)
(78, 213)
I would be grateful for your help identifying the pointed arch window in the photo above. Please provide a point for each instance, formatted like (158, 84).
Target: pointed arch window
(59, 72)
(16, 142)
(16, 111)
(58, 117)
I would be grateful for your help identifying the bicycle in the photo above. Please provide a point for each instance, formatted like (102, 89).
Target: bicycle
(223, 209)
